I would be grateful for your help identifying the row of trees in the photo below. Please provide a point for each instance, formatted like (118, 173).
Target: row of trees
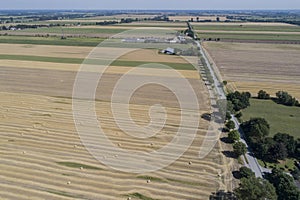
(269, 149)
(239, 148)
(277, 186)
(282, 98)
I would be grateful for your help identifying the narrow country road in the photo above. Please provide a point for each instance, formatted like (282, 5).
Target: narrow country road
(252, 161)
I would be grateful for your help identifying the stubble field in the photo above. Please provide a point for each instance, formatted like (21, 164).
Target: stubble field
(42, 156)
(252, 67)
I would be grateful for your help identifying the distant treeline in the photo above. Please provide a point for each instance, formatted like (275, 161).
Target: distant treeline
(289, 20)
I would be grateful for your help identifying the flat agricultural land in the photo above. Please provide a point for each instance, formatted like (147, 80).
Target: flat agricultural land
(282, 119)
(42, 156)
(188, 17)
(248, 31)
(255, 66)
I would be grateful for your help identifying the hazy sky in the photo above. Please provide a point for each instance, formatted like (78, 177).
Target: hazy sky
(150, 4)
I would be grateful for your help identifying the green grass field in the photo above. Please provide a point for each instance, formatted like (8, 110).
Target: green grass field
(178, 66)
(51, 41)
(281, 118)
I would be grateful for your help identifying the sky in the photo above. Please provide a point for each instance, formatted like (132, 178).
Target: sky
(151, 4)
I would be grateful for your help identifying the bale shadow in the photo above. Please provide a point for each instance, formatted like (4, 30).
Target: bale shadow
(206, 116)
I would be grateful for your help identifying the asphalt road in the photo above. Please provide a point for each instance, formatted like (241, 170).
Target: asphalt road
(252, 161)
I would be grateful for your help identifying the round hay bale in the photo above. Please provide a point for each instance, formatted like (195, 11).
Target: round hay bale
(129, 198)
(190, 163)
(148, 181)
(81, 168)
(69, 182)
(24, 152)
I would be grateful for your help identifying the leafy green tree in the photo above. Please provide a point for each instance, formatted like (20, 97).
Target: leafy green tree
(278, 152)
(296, 173)
(289, 142)
(230, 125)
(245, 172)
(234, 136)
(239, 100)
(256, 129)
(228, 116)
(286, 99)
(263, 95)
(230, 106)
(239, 149)
(284, 184)
(297, 150)
(255, 189)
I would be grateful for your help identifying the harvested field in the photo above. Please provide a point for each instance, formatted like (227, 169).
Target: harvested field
(54, 40)
(252, 67)
(262, 24)
(42, 156)
(42, 50)
(151, 55)
(187, 18)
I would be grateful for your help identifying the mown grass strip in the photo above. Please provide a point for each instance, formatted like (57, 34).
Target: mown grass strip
(78, 165)
(62, 193)
(140, 196)
(155, 179)
(178, 66)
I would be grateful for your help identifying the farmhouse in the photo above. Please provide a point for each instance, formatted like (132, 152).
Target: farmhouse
(169, 51)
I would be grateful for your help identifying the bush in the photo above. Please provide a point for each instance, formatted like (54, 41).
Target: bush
(263, 95)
